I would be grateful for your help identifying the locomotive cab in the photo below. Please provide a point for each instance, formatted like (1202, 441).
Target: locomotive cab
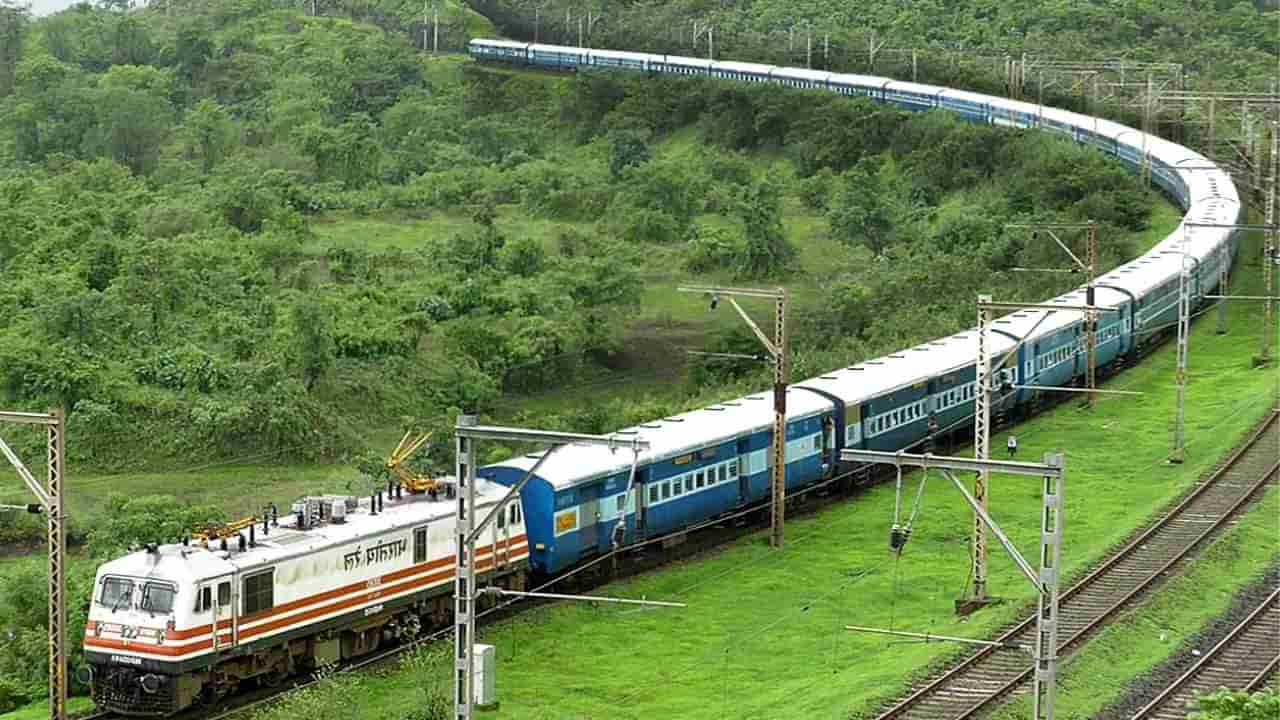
(144, 606)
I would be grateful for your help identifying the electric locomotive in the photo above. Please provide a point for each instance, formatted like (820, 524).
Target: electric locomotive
(174, 625)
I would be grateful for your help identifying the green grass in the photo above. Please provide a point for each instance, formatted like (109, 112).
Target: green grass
(762, 635)
(87, 492)
(40, 710)
(1103, 668)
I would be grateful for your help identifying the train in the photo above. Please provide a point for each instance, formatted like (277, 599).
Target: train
(175, 625)
(714, 461)
(339, 577)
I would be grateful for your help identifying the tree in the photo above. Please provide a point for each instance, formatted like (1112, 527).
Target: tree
(208, 132)
(860, 212)
(13, 26)
(314, 341)
(131, 126)
(192, 50)
(349, 152)
(766, 251)
(146, 519)
(626, 148)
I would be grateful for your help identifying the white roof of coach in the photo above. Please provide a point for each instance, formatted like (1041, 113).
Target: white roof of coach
(969, 96)
(502, 43)
(620, 55)
(914, 88)
(686, 61)
(805, 74)
(562, 49)
(867, 82)
(742, 67)
(669, 437)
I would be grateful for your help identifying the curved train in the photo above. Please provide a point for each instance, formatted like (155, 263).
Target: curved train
(713, 461)
(174, 625)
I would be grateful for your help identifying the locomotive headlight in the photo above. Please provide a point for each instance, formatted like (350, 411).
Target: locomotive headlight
(150, 683)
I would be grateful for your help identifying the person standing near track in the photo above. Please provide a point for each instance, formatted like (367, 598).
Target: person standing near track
(1013, 446)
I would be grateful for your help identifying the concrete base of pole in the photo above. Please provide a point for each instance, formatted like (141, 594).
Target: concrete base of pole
(968, 606)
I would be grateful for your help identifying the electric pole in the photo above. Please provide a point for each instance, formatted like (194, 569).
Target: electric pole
(50, 503)
(982, 391)
(466, 434)
(777, 350)
(1091, 317)
(1272, 250)
(1089, 267)
(981, 446)
(1044, 579)
(1177, 454)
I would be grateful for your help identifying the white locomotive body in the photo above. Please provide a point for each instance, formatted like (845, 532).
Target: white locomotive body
(331, 581)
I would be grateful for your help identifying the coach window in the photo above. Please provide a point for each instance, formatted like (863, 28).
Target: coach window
(653, 494)
(224, 594)
(259, 592)
(204, 600)
(733, 468)
(666, 490)
(419, 545)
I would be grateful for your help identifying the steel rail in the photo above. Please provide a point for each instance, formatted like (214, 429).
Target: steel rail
(1007, 637)
(1205, 661)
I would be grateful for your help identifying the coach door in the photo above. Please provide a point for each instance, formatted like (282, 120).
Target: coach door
(588, 523)
(220, 592)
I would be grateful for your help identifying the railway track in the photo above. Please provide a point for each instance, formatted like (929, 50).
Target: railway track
(977, 683)
(1243, 660)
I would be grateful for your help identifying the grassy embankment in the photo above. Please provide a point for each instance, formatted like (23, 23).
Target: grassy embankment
(1147, 636)
(762, 635)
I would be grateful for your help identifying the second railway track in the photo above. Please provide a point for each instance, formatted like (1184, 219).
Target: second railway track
(978, 682)
(1243, 660)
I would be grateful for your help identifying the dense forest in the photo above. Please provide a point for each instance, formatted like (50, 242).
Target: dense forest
(186, 193)
(163, 177)
(1222, 43)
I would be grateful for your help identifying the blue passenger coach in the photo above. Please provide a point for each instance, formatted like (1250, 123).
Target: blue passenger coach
(712, 461)
(700, 464)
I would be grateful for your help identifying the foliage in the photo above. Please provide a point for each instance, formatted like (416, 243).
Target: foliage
(147, 519)
(1227, 705)
(126, 521)
(766, 251)
(1223, 43)
(860, 213)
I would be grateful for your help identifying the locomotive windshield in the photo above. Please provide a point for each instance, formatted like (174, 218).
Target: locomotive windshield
(116, 593)
(157, 598)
